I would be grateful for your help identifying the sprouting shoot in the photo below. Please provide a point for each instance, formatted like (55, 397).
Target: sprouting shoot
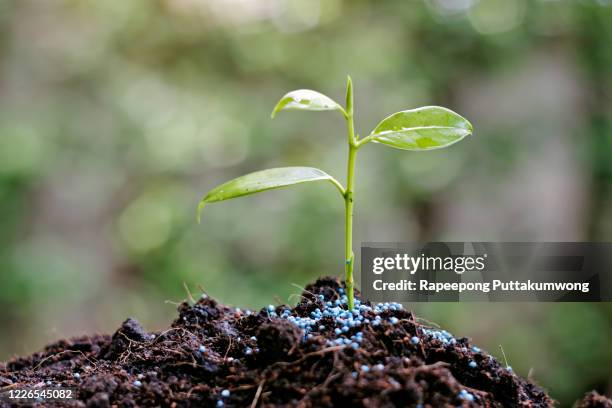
(420, 129)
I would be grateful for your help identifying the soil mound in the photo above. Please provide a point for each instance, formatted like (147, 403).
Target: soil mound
(317, 354)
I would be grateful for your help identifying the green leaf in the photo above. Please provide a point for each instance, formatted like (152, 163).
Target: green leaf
(265, 180)
(306, 99)
(426, 128)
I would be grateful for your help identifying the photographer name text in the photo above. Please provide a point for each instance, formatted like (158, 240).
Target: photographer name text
(459, 265)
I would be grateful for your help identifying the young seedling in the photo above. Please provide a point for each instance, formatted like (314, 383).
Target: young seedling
(426, 128)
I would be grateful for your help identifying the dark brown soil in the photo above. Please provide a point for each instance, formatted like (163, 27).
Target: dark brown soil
(594, 400)
(214, 355)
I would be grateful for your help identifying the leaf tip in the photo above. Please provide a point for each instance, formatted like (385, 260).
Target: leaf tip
(281, 105)
(470, 127)
(200, 208)
(277, 108)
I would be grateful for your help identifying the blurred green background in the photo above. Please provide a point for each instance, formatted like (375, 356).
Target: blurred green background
(116, 116)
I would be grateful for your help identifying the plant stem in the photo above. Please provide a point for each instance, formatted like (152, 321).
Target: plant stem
(348, 208)
(349, 256)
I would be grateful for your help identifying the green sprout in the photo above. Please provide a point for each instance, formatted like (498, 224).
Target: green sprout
(425, 128)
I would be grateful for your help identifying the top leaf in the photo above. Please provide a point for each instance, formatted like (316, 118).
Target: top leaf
(305, 99)
(265, 180)
(426, 128)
